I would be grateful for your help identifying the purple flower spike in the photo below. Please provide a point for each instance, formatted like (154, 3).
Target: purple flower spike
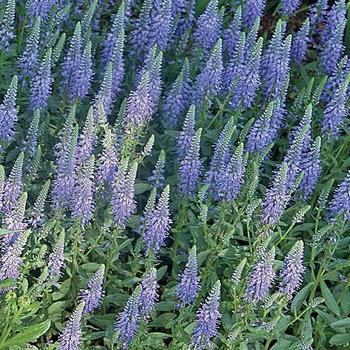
(184, 15)
(41, 84)
(11, 260)
(191, 167)
(259, 136)
(311, 166)
(82, 204)
(139, 105)
(2, 185)
(294, 155)
(333, 49)
(236, 64)
(157, 178)
(317, 14)
(232, 34)
(8, 112)
(277, 197)
(336, 111)
(209, 81)
(186, 135)
(65, 177)
(71, 336)
(7, 25)
(151, 201)
(128, 320)
(208, 318)
(87, 139)
(93, 294)
(252, 10)
(13, 186)
(334, 15)
(208, 27)
(157, 224)
(111, 40)
(341, 200)
(221, 155)
(275, 62)
(332, 36)
(179, 97)
(72, 61)
(107, 163)
(31, 141)
(288, 7)
(230, 177)
(103, 103)
(28, 61)
(304, 122)
(293, 269)
(153, 65)
(40, 8)
(161, 25)
(139, 37)
(14, 221)
(260, 278)
(335, 79)
(246, 78)
(189, 285)
(56, 258)
(83, 77)
(118, 65)
(154, 26)
(37, 216)
(123, 201)
(149, 295)
(300, 42)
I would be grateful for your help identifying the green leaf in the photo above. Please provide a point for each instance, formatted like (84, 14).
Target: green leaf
(202, 256)
(340, 339)
(165, 306)
(125, 244)
(282, 344)
(300, 297)
(345, 322)
(327, 317)
(161, 272)
(163, 320)
(5, 232)
(329, 298)
(29, 334)
(155, 340)
(158, 335)
(7, 283)
(90, 267)
(141, 187)
(103, 321)
(57, 307)
(95, 335)
(306, 328)
(172, 133)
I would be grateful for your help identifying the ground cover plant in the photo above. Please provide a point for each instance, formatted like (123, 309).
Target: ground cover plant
(174, 174)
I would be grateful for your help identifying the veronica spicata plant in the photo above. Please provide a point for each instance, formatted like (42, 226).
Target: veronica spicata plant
(174, 174)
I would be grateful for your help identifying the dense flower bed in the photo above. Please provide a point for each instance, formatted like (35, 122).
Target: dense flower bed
(174, 174)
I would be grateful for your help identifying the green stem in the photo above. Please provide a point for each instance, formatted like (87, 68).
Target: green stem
(320, 273)
(290, 228)
(110, 254)
(249, 237)
(93, 246)
(7, 331)
(220, 111)
(180, 222)
(312, 254)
